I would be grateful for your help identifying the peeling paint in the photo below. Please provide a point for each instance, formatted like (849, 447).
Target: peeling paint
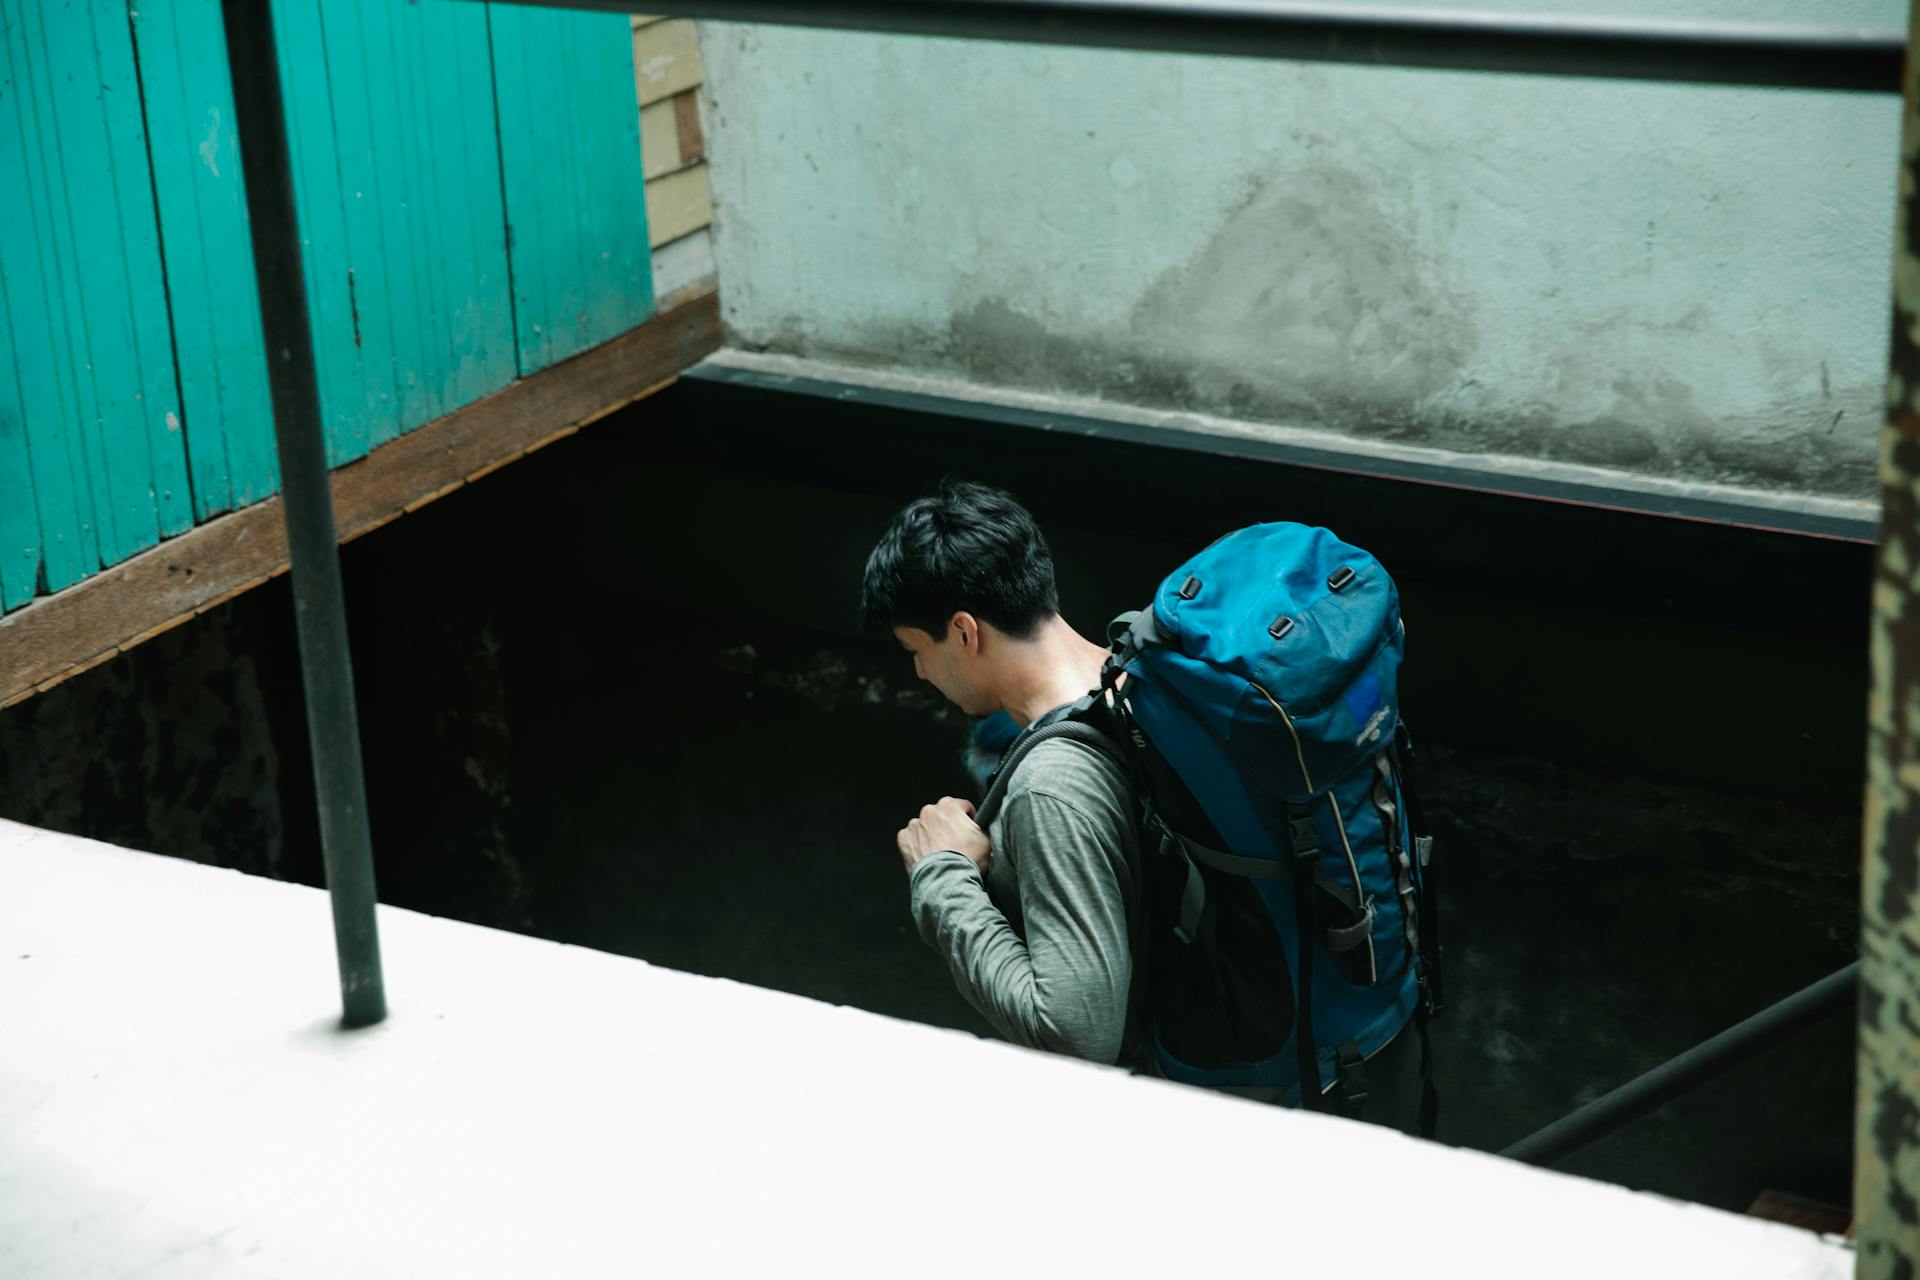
(1348, 313)
(1887, 1127)
(209, 147)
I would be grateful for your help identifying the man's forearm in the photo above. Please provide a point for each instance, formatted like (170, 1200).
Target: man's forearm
(994, 970)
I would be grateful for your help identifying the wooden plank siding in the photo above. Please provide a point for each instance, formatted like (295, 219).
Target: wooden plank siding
(564, 84)
(26, 376)
(400, 202)
(472, 203)
(666, 59)
(216, 336)
(94, 406)
(678, 205)
(667, 76)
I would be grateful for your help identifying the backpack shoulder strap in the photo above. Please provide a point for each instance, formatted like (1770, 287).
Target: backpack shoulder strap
(1043, 730)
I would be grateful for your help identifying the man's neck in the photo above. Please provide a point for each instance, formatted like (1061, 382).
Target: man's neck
(1058, 665)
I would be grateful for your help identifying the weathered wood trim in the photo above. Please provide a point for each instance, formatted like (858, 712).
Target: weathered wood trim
(61, 635)
(686, 119)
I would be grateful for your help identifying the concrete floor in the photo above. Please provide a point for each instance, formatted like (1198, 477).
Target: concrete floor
(177, 1101)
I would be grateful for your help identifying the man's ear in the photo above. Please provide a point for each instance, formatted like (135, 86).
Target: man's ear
(966, 628)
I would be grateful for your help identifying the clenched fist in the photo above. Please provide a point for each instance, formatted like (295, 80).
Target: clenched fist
(947, 824)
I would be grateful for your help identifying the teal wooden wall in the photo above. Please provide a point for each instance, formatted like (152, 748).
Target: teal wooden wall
(567, 236)
(471, 197)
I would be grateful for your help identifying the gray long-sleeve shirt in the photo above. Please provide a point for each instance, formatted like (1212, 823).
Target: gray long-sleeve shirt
(1041, 948)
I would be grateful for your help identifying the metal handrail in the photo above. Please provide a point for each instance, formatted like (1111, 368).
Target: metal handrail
(1706, 1060)
(1782, 56)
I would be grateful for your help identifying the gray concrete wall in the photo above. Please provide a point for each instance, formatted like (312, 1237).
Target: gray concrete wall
(1673, 281)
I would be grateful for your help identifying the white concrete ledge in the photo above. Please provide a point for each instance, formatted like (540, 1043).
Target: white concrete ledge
(175, 1100)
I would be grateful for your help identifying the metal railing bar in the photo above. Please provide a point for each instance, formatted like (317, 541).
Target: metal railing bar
(1773, 1025)
(306, 491)
(1697, 52)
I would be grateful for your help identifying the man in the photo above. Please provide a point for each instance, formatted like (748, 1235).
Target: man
(1033, 915)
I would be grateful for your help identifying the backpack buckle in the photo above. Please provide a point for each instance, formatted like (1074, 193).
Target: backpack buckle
(1303, 839)
(1350, 1077)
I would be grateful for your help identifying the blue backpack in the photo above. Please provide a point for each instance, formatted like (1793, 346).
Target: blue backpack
(1285, 934)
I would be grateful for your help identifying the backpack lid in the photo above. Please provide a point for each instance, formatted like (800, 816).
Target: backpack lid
(1282, 630)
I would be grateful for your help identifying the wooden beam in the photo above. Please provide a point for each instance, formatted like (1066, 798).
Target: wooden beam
(1798, 1211)
(57, 637)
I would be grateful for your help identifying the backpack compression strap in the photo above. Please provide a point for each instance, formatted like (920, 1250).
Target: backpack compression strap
(1340, 938)
(1304, 846)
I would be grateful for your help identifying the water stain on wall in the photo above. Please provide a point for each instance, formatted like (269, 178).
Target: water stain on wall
(172, 746)
(1315, 298)
(1312, 301)
(1321, 300)
(1618, 400)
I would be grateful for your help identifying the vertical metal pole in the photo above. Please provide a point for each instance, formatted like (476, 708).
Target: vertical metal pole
(1886, 1189)
(318, 602)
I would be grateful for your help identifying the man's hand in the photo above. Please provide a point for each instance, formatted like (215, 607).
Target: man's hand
(946, 825)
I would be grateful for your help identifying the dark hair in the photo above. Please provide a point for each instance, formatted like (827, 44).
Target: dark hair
(968, 547)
